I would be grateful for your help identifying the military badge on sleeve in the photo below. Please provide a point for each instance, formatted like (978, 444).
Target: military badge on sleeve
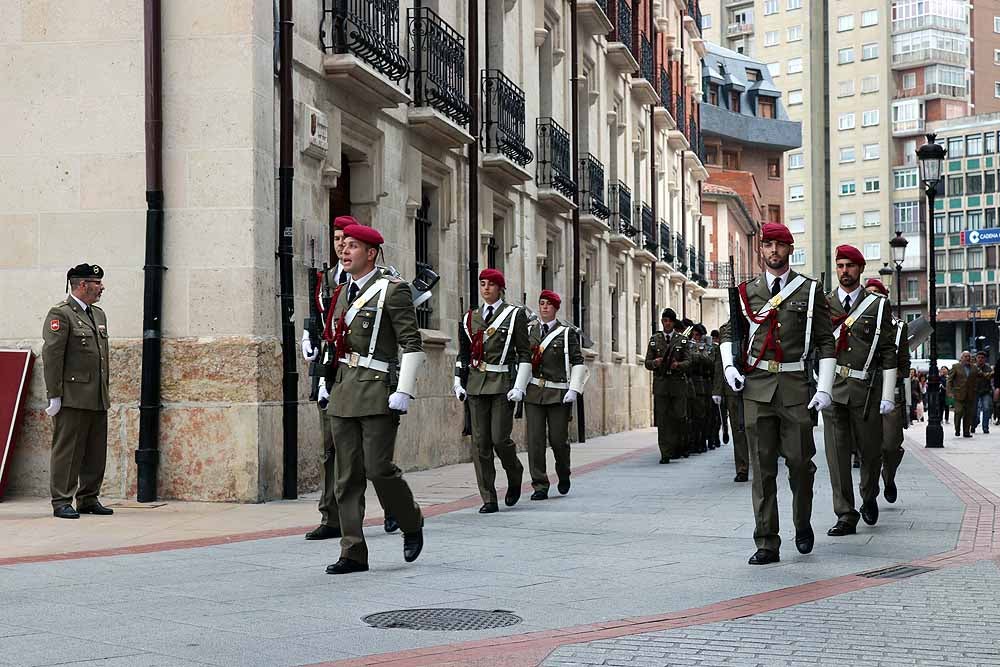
(54, 325)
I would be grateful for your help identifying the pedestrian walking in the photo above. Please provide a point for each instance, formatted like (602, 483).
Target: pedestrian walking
(963, 378)
(667, 358)
(946, 398)
(558, 376)
(75, 358)
(984, 393)
(495, 351)
(787, 318)
(370, 387)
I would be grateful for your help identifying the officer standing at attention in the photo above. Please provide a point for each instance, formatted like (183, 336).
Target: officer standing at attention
(894, 422)
(786, 317)
(333, 276)
(557, 380)
(723, 395)
(494, 348)
(75, 356)
(370, 386)
(865, 344)
(667, 357)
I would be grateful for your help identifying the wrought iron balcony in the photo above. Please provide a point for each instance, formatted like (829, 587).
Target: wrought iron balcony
(645, 57)
(503, 118)
(681, 113)
(438, 54)
(620, 12)
(666, 247)
(591, 175)
(720, 275)
(553, 166)
(701, 264)
(692, 262)
(680, 253)
(621, 209)
(649, 239)
(369, 29)
(694, 11)
(666, 88)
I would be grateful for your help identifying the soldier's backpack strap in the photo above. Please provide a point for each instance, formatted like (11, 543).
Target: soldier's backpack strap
(765, 314)
(378, 316)
(809, 319)
(510, 313)
(878, 330)
(560, 330)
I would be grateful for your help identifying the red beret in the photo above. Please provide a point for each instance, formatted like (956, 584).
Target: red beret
(772, 231)
(344, 221)
(493, 276)
(851, 254)
(364, 234)
(877, 284)
(551, 297)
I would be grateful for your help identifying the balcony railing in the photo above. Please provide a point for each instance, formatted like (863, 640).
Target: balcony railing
(621, 209)
(649, 239)
(929, 21)
(367, 28)
(553, 166)
(695, 139)
(929, 55)
(620, 13)
(680, 253)
(666, 89)
(908, 126)
(645, 58)
(701, 264)
(438, 54)
(680, 113)
(735, 29)
(591, 175)
(503, 118)
(719, 275)
(694, 11)
(692, 262)
(666, 247)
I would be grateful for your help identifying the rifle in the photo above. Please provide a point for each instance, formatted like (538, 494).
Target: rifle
(868, 394)
(812, 365)
(464, 354)
(738, 335)
(314, 326)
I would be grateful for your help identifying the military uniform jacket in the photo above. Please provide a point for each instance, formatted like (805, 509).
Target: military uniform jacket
(790, 387)
(549, 365)
(859, 337)
(75, 355)
(702, 365)
(669, 381)
(962, 386)
(356, 391)
(719, 385)
(494, 334)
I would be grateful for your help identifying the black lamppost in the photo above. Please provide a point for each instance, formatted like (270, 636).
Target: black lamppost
(885, 275)
(931, 159)
(898, 248)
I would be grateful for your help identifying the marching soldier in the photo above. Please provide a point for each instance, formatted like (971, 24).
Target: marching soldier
(894, 422)
(75, 355)
(786, 318)
(370, 386)
(667, 357)
(690, 395)
(723, 395)
(714, 408)
(496, 351)
(865, 344)
(701, 383)
(557, 380)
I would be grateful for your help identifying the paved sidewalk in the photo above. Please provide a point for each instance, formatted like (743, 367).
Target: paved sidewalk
(632, 542)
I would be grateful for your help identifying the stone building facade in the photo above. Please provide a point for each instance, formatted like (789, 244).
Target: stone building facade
(382, 132)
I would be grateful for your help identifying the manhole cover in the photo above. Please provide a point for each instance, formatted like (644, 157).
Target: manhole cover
(442, 619)
(897, 572)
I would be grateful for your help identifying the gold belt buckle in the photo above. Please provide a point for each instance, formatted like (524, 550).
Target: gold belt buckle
(482, 367)
(845, 372)
(353, 360)
(773, 366)
(541, 382)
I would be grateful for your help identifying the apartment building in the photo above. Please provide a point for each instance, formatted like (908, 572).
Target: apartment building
(384, 102)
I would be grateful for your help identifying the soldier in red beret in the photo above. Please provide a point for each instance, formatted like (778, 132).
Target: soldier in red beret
(865, 339)
(370, 384)
(786, 320)
(558, 376)
(495, 353)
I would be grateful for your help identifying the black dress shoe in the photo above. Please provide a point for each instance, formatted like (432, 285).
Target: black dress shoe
(686, 454)
(489, 508)
(841, 528)
(346, 566)
(513, 495)
(890, 492)
(741, 477)
(664, 460)
(869, 511)
(389, 523)
(967, 435)
(804, 540)
(95, 508)
(65, 512)
(413, 544)
(763, 557)
(540, 495)
(323, 532)
(563, 486)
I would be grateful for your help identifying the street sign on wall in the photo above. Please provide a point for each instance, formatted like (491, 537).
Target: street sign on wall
(980, 236)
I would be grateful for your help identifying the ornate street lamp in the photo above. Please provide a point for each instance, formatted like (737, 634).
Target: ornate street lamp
(930, 157)
(898, 248)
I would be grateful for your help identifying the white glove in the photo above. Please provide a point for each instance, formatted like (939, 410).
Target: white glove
(55, 405)
(460, 392)
(309, 353)
(820, 401)
(734, 378)
(885, 407)
(515, 395)
(323, 394)
(399, 401)
(570, 396)
(717, 400)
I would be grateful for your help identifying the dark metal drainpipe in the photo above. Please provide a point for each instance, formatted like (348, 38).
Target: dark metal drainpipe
(147, 455)
(474, 130)
(289, 362)
(574, 76)
(680, 174)
(653, 319)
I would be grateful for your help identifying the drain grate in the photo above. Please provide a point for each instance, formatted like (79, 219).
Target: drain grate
(897, 572)
(442, 619)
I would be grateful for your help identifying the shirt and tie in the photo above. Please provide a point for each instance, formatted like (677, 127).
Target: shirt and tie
(777, 283)
(849, 300)
(357, 284)
(86, 309)
(489, 309)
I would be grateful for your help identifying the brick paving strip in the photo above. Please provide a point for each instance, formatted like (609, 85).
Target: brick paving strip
(978, 541)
